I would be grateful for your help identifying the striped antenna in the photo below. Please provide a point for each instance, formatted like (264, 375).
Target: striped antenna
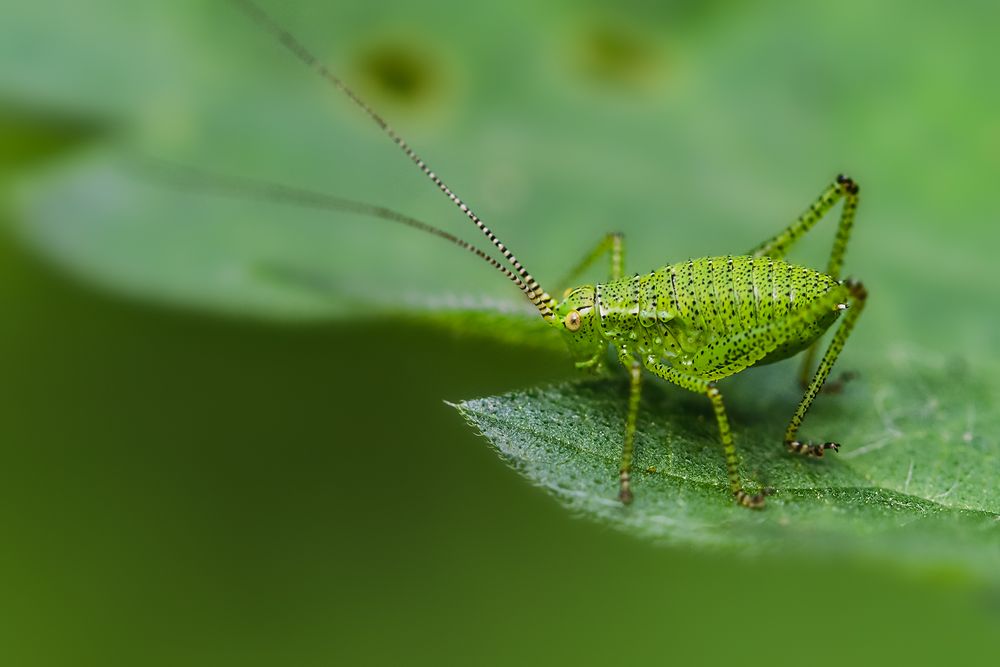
(538, 297)
(190, 178)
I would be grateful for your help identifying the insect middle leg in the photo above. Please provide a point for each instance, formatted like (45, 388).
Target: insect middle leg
(614, 244)
(761, 341)
(635, 387)
(758, 343)
(842, 187)
(708, 388)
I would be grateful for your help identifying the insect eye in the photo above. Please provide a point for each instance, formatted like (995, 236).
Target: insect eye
(572, 320)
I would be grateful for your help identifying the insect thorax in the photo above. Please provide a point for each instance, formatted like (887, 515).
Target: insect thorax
(697, 312)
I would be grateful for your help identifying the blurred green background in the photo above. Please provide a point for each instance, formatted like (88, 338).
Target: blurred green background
(189, 479)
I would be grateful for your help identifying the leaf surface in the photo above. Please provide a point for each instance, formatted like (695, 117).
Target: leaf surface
(914, 482)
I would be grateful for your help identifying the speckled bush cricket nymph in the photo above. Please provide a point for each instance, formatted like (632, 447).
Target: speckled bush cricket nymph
(691, 323)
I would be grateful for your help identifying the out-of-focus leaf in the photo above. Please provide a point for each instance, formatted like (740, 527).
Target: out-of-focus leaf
(29, 135)
(694, 132)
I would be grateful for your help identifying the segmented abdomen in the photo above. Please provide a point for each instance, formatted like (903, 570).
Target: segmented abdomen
(728, 294)
(708, 298)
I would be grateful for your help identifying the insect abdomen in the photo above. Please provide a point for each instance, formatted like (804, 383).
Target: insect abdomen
(679, 309)
(723, 295)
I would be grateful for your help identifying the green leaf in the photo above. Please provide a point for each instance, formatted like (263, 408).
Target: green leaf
(693, 131)
(914, 483)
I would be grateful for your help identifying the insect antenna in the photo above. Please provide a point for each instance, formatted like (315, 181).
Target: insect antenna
(190, 178)
(538, 297)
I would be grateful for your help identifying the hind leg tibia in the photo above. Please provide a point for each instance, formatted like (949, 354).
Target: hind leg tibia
(858, 297)
(843, 187)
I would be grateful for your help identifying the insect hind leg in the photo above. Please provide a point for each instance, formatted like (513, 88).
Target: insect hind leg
(842, 187)
(759, 342)
(858, 297)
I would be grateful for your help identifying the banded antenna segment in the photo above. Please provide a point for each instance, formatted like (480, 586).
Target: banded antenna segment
(198, 180)
(538, 297)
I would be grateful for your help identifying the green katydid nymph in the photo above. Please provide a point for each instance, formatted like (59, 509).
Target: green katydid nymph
(692, 323)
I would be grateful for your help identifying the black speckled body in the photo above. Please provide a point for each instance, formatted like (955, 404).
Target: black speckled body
(696, 322)
(710, 316)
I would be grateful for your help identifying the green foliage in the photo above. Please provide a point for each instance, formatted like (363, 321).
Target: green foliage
(694, 133)
(724, 134)
(913, 484)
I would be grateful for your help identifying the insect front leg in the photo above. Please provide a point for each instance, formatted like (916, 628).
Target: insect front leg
(635, 391)
(707, 388)
(858, 295)
(613, 243)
